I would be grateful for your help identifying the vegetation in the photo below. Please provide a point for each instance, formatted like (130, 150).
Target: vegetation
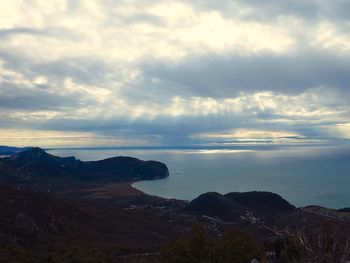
(327, 242)
(200, 247)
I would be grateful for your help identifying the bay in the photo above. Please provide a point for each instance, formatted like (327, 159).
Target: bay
(302, 174)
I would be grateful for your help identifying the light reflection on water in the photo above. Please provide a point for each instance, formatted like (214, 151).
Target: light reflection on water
(304, 175)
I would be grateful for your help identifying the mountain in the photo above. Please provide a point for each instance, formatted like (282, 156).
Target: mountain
(35, 167)
(7, 150)
(38, 155)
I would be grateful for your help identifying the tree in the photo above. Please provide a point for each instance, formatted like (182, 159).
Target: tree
(200, 247)
(327, 242)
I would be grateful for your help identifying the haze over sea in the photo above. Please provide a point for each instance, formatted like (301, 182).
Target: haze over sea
(303, 174)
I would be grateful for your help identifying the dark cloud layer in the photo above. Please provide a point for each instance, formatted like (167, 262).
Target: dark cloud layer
(311, 10)
(19, 97)
(226, 76)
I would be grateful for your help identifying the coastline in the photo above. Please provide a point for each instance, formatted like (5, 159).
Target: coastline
(132, 185)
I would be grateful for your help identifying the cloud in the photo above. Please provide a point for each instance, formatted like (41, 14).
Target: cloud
(176, 121)
(220, 76)
(313, 10)
(162, 72)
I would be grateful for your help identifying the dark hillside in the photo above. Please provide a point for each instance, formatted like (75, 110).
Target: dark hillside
(36, 169)
(38, 225)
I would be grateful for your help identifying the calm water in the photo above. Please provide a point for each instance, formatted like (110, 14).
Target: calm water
(303, 175)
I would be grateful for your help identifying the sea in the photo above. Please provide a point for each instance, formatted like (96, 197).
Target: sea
(302, 174)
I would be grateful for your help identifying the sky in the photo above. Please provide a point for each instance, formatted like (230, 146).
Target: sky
(156, 73)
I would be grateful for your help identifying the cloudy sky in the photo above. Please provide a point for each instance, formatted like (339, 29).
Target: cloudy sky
(143, 72)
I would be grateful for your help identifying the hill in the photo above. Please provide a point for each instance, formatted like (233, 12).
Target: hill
(38, 226)
(38, 170)
(233, 206)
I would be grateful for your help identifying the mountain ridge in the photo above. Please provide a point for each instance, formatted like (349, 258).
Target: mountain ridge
(10, 150)
(37, 167)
